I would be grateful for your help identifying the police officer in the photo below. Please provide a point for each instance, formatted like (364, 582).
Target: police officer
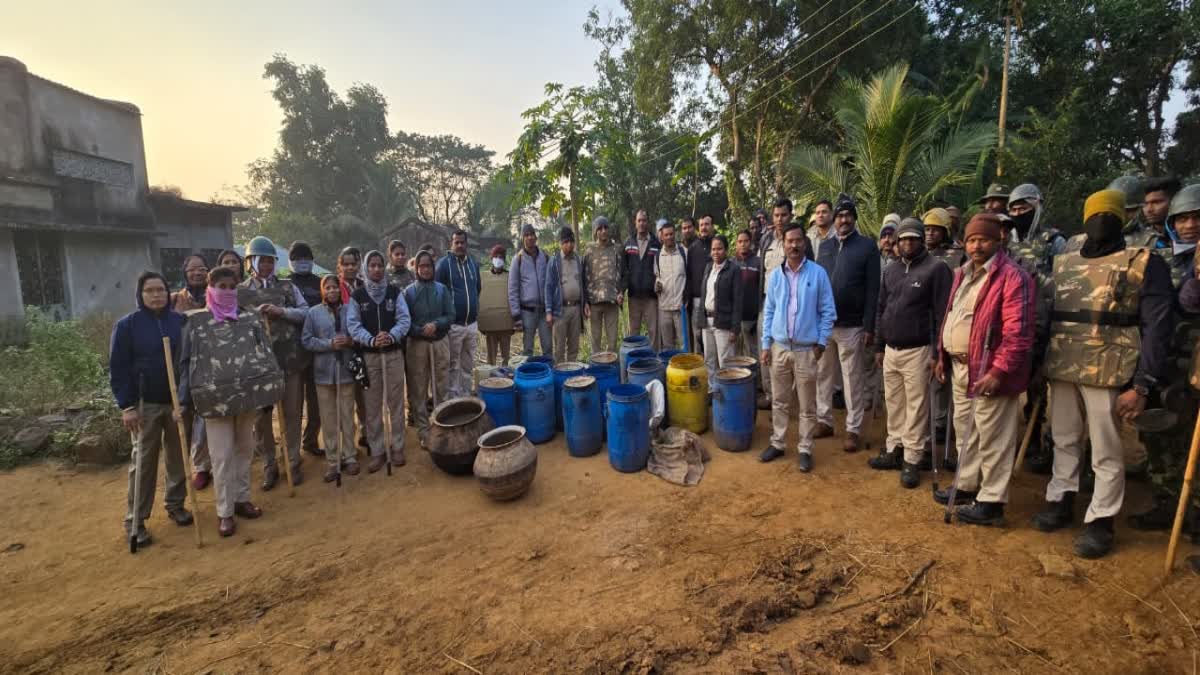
(995, 200)
(284, 308)
(1167, 450)
(1109, 344)
(939, 238)
(1131, 187)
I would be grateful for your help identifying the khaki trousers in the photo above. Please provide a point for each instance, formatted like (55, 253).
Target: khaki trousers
(290, 408)
(603, 326)
(193, 424)
(719, 347)
(644, 311)
(499, 347)
(158, 432)
(337, 407)
(793, 371)
(463, 342)
(1078, 411)
(986, 428)
(566, 334)
(846, 351)
(748, 343)
(420, 373)
(906, 388)
(231, 442)
(670, 330)
(393, 362)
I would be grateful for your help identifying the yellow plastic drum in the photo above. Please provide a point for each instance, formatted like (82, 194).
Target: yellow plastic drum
(687, 392)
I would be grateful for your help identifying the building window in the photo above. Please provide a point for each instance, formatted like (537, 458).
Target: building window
(40, 267)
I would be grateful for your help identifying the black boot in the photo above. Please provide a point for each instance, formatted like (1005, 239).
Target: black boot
(981, 513)
(1096, 540)
(942, 496)
(1160, 516)
(1056, 515)
(926, 463)
(887, 460)
(910, 476)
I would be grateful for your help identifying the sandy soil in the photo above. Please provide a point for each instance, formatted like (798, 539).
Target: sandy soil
(757, 569)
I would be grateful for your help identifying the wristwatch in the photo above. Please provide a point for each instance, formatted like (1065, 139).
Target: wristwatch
(1141, 390)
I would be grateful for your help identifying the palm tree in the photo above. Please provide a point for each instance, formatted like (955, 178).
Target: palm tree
(898, 150)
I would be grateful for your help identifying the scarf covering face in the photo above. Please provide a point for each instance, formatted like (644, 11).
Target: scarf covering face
(222, 302)
(302, 266)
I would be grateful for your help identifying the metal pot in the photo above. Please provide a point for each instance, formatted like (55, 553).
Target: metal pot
(506, 463)
(455, 431)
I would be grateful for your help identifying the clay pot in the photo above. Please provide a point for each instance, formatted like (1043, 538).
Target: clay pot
(506, 463)
(454, 433)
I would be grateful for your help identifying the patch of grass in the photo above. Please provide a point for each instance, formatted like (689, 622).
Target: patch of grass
(62, 362)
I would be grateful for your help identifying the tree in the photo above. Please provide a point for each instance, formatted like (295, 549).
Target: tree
(444, 173)
(898, 152)
(329, 146)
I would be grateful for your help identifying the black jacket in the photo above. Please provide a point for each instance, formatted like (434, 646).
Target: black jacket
(912, 302)
(853, 268)
(729, 296)
(641, 270)
(310, 287)
(750, 271)
(699, 255)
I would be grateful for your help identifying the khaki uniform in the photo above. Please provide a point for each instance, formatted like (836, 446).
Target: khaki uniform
(906, 387)
(567, 325)
(337, 419)
(231, 442)
(158, 431)
(393, 361)
(420, 374)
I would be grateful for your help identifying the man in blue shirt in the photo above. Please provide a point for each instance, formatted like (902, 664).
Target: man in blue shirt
(459, 272)
(798, 317)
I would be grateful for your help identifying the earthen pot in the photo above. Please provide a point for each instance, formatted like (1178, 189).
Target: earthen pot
(506, 463)
(454, 433)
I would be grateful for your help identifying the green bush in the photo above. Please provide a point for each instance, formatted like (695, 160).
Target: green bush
(62, 363)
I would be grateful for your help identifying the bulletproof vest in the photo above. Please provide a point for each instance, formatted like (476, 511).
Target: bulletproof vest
(231, 368)
(604, 272)
(284, 335)
(310, 287)
(953, 257)
(1037, 250)
(1094, 334)
(377, 317)
(494, 316)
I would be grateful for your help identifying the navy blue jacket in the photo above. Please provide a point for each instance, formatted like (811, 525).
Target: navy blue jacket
(853, 268)
(136, 355)
(462, 278)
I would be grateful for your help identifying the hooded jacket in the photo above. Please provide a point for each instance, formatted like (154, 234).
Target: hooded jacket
(461, 278)
(135, 357)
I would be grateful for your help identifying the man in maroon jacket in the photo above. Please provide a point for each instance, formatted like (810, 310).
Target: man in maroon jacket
(986, 340)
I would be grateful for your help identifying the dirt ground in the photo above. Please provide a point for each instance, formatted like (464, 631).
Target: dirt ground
(757, 569)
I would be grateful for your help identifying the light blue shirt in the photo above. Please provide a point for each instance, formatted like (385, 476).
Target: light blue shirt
(799, 310)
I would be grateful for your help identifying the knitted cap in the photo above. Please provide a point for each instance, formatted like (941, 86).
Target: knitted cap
(985, 224)
(1105, 201)
(911, 227)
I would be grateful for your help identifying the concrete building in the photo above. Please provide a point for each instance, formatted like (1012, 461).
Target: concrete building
(77, 222)
(415, 232)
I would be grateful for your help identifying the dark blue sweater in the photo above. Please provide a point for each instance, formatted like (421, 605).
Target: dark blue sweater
(462, 278)
(853, 267)
(136, 355)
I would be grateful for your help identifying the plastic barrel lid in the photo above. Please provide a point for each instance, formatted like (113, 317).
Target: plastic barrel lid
(496, 383)
(579, 381)
(605, 357)
(569, 366)
(733, 373)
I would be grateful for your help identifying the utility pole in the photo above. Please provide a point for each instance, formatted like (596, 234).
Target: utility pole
(1003, 97)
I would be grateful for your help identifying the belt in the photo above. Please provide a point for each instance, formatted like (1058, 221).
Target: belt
(570, 304)
(959, 358)
(530, 308)
(1097, 318)
(790, 346)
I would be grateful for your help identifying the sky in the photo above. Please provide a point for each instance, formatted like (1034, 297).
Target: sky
(195, 69)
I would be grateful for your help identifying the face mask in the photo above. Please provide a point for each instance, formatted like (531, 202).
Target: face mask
(1024, 221)
(222, 302)
(302, 266)
(1102, 228)
(497, 262)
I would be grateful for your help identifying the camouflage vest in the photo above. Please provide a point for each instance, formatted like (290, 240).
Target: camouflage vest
(1037, 250)
(604, 272)
(231, 370)
(284, 335)
(1094, 334)
(953, 257)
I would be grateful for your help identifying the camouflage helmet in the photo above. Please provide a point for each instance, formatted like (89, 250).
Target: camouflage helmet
(995, 191)
(1184, 201)
(261, 246)
(937, 217)
(1134, 189)
(1024, 192)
